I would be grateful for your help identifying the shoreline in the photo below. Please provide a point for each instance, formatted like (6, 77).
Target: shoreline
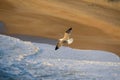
(38, 39)
(35, 39)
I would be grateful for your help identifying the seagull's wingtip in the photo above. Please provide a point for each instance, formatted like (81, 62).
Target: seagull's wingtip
(56, 48)
(69, 30)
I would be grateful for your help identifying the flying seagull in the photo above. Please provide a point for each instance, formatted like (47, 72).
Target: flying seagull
(65, 40)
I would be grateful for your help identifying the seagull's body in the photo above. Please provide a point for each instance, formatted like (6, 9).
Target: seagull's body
(65, 40)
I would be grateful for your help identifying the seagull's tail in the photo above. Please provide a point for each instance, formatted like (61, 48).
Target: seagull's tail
(70, 40)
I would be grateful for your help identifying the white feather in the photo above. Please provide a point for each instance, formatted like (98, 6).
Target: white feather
(70, 40)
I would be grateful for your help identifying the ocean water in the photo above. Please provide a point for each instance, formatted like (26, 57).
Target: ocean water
(24, 60)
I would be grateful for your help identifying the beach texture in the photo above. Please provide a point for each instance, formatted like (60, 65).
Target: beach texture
(95, 23)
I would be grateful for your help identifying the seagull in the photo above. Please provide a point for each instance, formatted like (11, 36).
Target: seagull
(65, 40)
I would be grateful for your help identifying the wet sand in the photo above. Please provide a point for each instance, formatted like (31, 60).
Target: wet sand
(96, 24)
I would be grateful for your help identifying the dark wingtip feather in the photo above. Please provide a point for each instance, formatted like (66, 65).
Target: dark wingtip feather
(69, 30)
(56, 47)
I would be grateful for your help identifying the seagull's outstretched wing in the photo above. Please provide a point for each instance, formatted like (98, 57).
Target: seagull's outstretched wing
(59, 44)
(67, 34)
(69, 30)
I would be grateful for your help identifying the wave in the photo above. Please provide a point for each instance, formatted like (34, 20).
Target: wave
(23, 60)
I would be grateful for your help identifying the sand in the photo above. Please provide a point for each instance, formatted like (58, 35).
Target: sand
(95, 23)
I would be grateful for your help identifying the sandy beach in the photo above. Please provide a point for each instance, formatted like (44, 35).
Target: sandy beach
(95, 23)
